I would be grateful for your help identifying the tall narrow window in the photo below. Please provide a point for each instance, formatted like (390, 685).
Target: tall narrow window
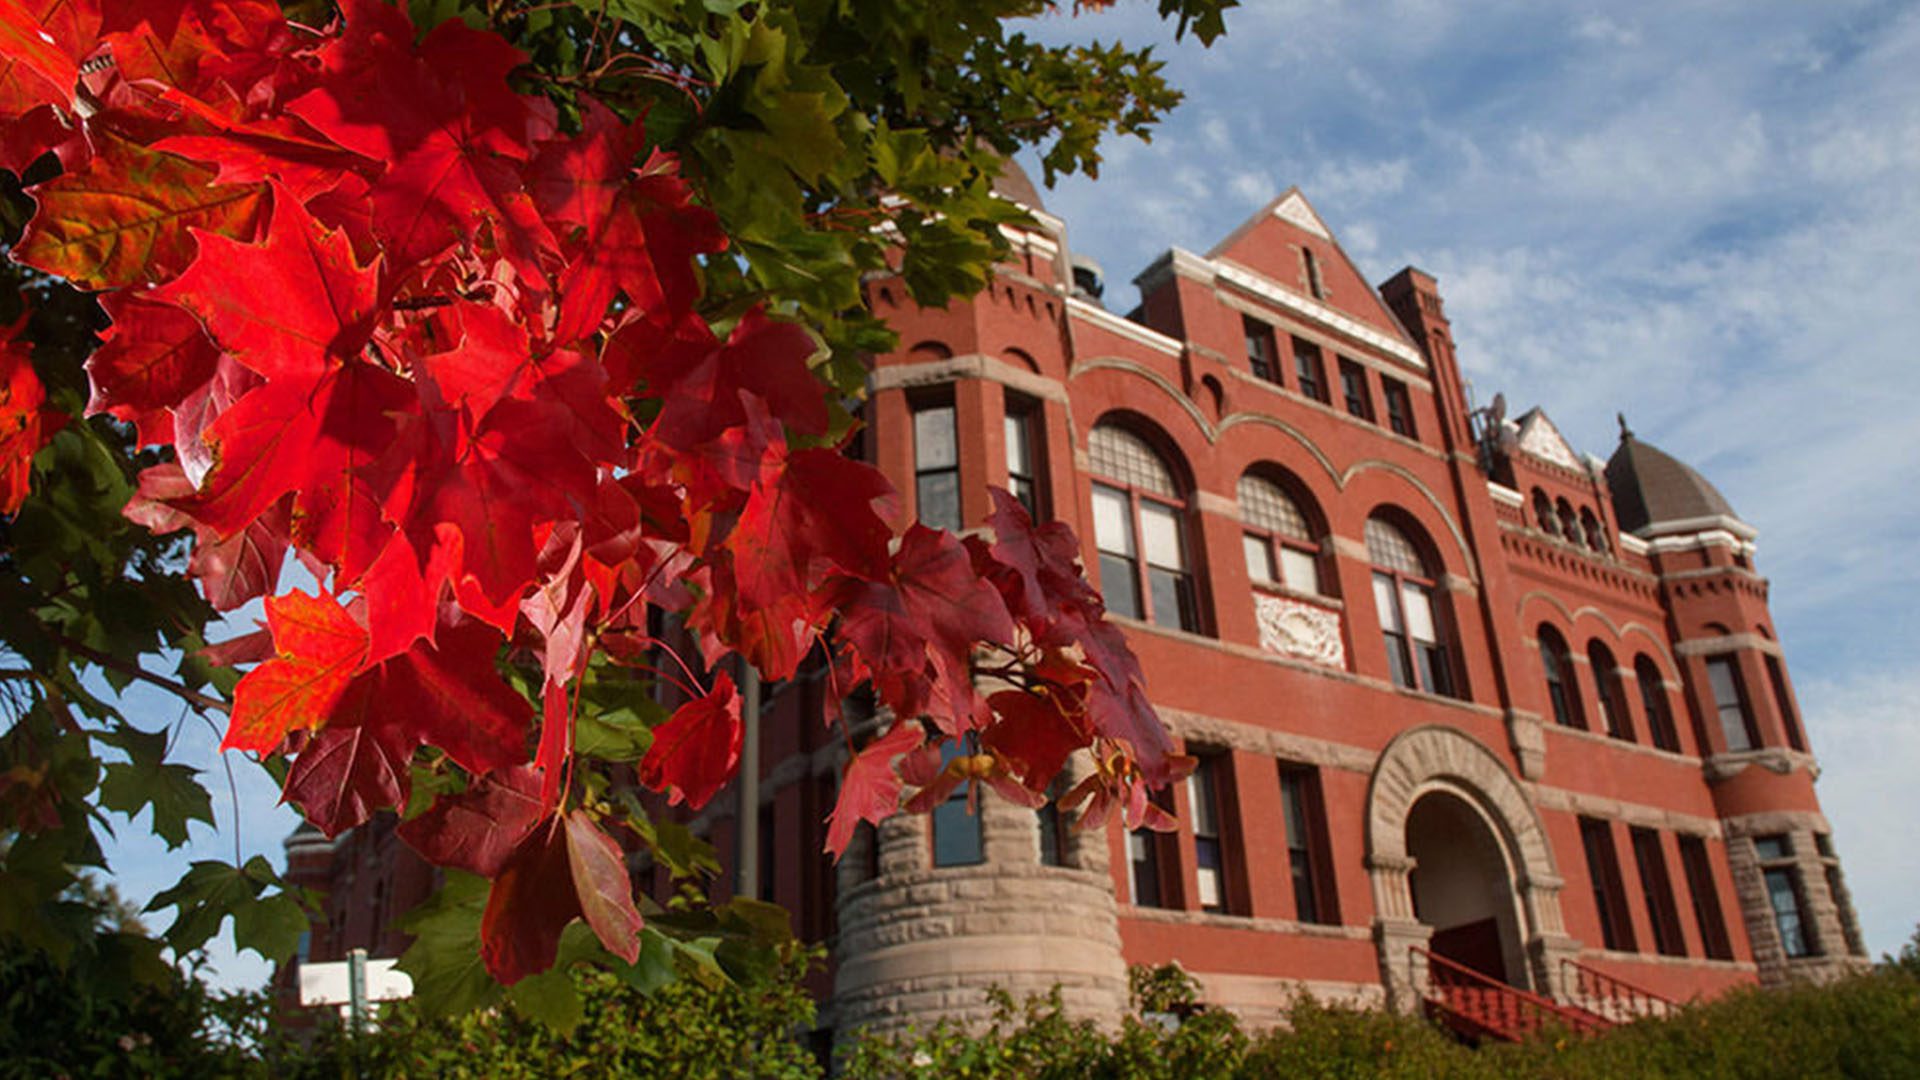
(1730, 701)
(1209, 848)
(1613, 696)
(1399, 407)
(1609, 891)
(1309, 369)
(1138, 527)
(957, 838)
(1053, 832)
(1558, 664)
(1653, 700)
(1657, 887)
(1278, 541)
(1316, 284)
(1569, 522)
(1353, 388)
(1784, 894)
(1783, 700)
(1403, 591)
(1023, 465)
(1261, 352)
(1595, 534)
(1313, 899)
(936, 467)
(1706, 898)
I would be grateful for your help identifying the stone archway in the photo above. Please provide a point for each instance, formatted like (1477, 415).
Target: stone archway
(1472, 781)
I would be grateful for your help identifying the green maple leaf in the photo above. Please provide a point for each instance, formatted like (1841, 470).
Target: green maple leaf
(145, 780)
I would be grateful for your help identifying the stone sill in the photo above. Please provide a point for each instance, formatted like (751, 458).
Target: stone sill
(1183, 917)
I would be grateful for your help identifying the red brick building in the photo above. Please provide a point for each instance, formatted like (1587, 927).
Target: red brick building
(1457, 690)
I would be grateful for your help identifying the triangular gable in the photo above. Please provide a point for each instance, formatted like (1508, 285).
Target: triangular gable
(1268, 244)
(1539, 437)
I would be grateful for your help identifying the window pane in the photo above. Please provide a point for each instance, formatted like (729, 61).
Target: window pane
(1112, 529)
(1383, 601)
(1259, 553)
(1264, 505)
(1783, 892)
(1172, 599)
(1207, 854)
(1119, 454)
(1144, 853)
(1772, 847)
(1018, 461)
(956, 834)
(1160, 536)
(1417, 603)
(1118, 586)
(933, 438)
(938, 497)
(1301, 569)
(1200, 793)
(1389, 549)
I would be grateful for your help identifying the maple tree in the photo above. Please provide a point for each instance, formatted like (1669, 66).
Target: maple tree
(511, 323)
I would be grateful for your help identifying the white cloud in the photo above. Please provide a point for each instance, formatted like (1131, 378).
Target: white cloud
(1597, 27)
(1358, 180)
(1867, 731)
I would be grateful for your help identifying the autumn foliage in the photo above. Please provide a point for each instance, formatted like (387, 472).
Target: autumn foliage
(439, 337)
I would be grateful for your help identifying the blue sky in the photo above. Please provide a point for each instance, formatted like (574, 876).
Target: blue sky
(1705, 215)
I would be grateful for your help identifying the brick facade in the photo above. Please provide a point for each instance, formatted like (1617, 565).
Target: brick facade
(1389, 763)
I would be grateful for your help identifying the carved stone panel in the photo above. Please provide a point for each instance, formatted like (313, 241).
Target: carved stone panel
(1298, 629)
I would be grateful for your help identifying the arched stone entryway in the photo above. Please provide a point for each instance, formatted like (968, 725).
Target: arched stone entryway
(1433, 781)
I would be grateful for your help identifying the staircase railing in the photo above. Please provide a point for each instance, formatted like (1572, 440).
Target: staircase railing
(1610, 996)
(1480, 1006)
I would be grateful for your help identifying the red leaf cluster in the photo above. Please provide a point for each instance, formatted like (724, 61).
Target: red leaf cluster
(392, 318)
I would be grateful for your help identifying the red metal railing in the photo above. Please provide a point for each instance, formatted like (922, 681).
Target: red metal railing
(1481, 1007)
(1611, 997)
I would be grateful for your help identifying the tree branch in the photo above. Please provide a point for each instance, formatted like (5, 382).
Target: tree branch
(114, 663)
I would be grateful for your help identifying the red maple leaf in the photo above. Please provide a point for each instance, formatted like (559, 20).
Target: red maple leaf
(811, 513)
(441, 116)
(26, 421)
(528, 908)
(151, 358)
(479, 829)
(870, 788)
(700, 380)
(694, 753)
(320, 648)
(359, 763)
(293, 305)
(638, 233)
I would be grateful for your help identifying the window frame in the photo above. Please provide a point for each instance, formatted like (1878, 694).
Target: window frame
(1189, 615)
(1697, 864)
(1303, 820)
(1399, 403)
(1612, 695)
(1654, 701)
(1356, 391)
(1277, 544)
(1155, 861)
(1431, 670)
(922, 474)
(945, 812)
(1027, 416)
(1656, 889)
(1741, 706)
(1783, 702)
(1608, 886)
(1310, 371)
(1563, 685)
(1209, 804)
(1263, 349)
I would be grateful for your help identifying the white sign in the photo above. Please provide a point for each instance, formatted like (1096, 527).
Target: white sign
(329, 984)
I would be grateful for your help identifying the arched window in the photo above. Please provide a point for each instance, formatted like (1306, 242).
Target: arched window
(1560, 681)
(1613, 696)
(1543, 513)
(1590, 527)
(1569, 523)
(1279, 538)
(1653, 699)
(1139, 515)
(1410, 620)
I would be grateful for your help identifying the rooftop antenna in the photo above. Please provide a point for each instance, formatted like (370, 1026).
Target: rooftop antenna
(1626, 433)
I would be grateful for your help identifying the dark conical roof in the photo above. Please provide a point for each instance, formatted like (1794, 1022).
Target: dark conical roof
(1652, 487)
